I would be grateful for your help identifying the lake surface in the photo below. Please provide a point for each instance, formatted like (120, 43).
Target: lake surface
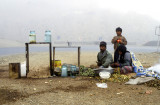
(21, 50)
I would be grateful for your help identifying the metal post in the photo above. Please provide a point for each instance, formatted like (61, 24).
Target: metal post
(158, 44)
(53, 58)
(158, 34)
(50, 53)
(27, 58)
(79, 56)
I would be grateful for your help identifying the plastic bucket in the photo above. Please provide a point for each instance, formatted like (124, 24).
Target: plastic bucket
(23, 69)
(57, 63)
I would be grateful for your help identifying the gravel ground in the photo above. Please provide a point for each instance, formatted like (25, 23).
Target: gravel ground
(71, 91)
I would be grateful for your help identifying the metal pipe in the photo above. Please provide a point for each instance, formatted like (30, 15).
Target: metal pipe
(53, 58)
(79, 56)
(50, 50)
(158, 34)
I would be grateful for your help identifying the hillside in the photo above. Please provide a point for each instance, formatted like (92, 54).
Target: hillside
(151, 43)
(10, 43)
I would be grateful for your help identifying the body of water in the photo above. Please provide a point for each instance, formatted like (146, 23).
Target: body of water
(21, 50)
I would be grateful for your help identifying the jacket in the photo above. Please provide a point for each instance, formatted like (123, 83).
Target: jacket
(127, 60)
(104, 59)
(116, 43)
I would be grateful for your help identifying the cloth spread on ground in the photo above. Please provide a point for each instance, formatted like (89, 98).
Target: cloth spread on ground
(139, 80)
(137, 66)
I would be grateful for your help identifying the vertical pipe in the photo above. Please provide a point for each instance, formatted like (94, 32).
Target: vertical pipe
(158, 37)
(157, 41)
(79, 56)
(50, 58)
(53, 58)
(26, 55)
(27, 58)
(158, 44)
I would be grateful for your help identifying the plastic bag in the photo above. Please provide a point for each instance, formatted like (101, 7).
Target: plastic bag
(155, 68)
(139, 80)
(102, 85)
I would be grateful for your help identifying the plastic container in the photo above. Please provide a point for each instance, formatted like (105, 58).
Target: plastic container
(58, 63)
(77, 68)
(23, 69)
(73, 71)
(47, 36)
(32, 37)
(69, 66)
(97, 71)
(73, 68)
(104, 75)
(64, 71)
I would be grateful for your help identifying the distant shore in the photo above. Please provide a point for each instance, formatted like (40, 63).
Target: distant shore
(86, 48)
(87, 58)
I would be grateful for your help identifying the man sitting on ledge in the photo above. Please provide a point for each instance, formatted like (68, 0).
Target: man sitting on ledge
(104, 58)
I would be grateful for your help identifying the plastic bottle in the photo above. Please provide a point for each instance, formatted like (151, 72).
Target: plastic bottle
(64, 71)
(47, 36)
(32, 37)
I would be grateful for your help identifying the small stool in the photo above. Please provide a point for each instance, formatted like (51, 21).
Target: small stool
(14, 70)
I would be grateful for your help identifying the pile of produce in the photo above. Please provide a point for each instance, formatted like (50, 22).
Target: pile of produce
(119, 78)
(154, 83)
(115, 78)
(84, 71)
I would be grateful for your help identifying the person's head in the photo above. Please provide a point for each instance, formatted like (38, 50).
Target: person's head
(119, 31)
(103, 46)
(122, 50)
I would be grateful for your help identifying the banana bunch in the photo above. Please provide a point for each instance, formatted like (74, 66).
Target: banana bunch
(84, 71)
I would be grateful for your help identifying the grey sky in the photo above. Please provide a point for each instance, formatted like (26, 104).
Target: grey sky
(148, 7)
(81, 19)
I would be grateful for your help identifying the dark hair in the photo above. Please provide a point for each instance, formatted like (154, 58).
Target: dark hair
(122, 49)
(118, 29)
(103, 43)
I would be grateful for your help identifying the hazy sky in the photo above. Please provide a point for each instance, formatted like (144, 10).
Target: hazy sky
(148, 7)
(67, 17)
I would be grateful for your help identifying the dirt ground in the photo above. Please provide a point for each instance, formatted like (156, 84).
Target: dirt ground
(72, 91)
